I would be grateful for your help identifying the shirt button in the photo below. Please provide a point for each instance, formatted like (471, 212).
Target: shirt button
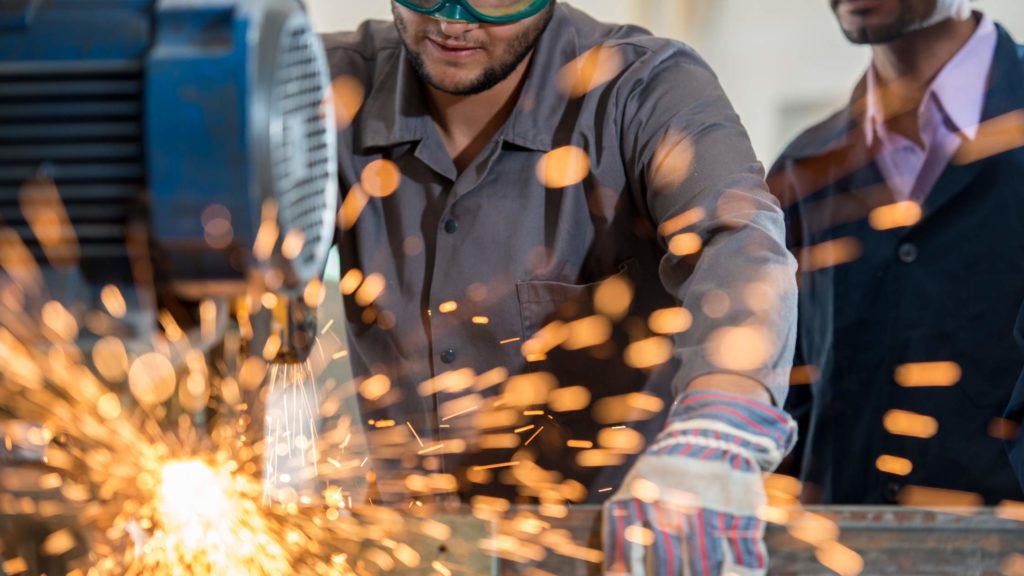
(907, 253)
(891, 492)
(448, 356)
(451, 226)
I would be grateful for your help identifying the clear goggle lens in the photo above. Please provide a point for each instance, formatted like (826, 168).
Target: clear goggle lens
(490, 8)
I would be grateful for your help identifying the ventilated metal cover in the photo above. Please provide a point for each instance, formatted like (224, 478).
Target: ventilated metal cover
(73, 127)
(303, 145)
(179, 107)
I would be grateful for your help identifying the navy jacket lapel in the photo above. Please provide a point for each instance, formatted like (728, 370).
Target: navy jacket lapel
(1005, 95)
(834, 175)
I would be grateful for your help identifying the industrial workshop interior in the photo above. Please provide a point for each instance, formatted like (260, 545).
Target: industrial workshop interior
(750, 300)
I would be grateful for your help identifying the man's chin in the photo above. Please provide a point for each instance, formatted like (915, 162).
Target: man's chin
(873, 34)
(856, 35)
(462, 83)
(455, 88)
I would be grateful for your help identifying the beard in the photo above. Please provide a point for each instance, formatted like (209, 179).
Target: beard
(912, 16)
(518, 49)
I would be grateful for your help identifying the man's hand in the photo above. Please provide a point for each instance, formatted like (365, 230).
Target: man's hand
(690, 504)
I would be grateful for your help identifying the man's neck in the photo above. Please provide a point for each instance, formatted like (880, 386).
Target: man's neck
(913, 61)
(468, 123)
(906, 68)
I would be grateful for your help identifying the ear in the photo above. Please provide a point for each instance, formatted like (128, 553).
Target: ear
(945, 10)
(958, 9)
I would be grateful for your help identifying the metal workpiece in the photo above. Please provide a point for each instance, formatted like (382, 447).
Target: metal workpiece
(895, 540)
(295, 325)
(891, 540)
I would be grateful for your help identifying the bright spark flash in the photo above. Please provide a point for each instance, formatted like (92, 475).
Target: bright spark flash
(208, 523)
(291, 459)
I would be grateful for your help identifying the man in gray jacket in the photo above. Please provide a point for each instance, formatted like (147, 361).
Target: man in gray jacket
(565, 278)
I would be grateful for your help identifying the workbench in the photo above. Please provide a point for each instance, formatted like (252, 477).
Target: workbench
(891, 540)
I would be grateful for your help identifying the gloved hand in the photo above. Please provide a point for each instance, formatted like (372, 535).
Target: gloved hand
(689, 505)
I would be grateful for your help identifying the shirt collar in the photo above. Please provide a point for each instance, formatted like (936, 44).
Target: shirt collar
(535, 119)
(396, 111)
(959, 88)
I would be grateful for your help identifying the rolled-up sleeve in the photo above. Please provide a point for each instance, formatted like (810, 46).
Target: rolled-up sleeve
(693, 168)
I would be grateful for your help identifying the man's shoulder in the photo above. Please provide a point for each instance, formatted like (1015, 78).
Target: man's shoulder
(818, 151)
(818, 140)
(1005, 35)
(363, 48)
(1020, 54)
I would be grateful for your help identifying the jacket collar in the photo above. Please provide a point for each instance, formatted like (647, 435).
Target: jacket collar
(395, 111)
(1005, 93)
(541, 104)
(1006, 84)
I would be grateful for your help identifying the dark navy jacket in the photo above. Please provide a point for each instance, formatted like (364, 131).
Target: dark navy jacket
(945, 289)
(1015, 414)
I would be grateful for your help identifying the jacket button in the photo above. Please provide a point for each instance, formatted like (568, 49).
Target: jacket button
(907, 253)
(448, 356)
(891, 492)
(451, 226)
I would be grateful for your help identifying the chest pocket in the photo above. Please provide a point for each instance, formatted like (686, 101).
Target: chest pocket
(542, 301)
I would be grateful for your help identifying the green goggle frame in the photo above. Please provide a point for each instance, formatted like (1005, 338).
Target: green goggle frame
(463, 11)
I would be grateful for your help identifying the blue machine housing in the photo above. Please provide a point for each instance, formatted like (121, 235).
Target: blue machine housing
(146, 113)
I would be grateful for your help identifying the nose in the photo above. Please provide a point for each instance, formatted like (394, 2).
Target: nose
(456, 28)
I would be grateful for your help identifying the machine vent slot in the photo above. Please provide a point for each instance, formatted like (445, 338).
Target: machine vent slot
(302, 148)
(79, 125)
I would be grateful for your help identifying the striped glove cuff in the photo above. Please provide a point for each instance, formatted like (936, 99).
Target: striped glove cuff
(718, 426)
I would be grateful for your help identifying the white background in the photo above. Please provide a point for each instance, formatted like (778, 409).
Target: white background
(784, 63)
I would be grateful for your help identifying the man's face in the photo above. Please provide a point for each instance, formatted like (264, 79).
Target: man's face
(463, 58)
(881, 21)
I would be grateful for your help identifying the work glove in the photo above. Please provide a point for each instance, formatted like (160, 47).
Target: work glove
(690, 504)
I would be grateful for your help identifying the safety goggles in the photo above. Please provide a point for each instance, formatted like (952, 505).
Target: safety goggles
(477, 11)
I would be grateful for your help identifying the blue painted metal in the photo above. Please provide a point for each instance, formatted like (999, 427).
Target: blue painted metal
(75, 30)
(199, 74)
(170, 90)
(71, 111)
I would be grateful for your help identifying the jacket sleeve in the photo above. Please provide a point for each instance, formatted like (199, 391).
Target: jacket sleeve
(692, 167)
(800, 401)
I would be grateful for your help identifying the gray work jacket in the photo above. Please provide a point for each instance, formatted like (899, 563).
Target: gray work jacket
(475, 263)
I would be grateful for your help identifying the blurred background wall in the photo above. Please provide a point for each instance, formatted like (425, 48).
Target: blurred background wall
(784, 63)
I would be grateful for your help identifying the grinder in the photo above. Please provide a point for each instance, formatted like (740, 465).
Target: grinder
(189, 145)
(172, 157)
